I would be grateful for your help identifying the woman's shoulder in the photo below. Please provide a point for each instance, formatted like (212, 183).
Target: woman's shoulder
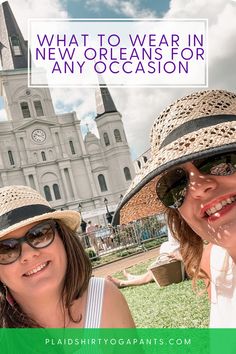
(115, 312)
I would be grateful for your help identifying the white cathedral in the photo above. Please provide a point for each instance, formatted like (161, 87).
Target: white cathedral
(46, 151)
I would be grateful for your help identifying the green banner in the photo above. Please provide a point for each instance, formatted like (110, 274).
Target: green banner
(117, 341)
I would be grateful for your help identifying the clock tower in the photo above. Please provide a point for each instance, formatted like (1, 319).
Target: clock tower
(46, 150)
(38, 135)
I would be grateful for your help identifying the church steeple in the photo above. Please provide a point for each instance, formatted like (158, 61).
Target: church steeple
(104, 101)
(13, 47)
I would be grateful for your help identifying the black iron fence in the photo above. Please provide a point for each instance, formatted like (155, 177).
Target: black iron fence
(104, 240)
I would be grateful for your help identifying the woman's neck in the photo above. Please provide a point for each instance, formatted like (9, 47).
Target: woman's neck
(49, 312)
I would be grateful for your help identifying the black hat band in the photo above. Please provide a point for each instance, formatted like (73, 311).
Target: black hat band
(196, 124)
(17, 215)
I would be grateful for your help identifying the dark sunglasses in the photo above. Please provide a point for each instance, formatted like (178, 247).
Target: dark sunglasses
(39, 236)
(172, 186)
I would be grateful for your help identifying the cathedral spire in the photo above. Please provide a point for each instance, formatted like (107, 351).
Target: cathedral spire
(104, 101)
(13, 47)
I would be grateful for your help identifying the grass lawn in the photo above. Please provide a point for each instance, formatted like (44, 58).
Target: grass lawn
(176, 305)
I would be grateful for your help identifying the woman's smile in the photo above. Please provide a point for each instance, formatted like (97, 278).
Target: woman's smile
(209, 206)
(37, 269)
(218, 207)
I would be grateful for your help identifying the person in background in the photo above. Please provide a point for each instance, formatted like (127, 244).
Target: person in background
(170, 248)
(45, 275)
(91, 233)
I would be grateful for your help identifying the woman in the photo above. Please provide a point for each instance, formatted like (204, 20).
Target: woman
(169, 248)
(140, 279)
(191, 176)
(45, 275)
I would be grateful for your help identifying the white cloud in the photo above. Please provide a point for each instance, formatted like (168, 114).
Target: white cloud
(26, 9)
(3, 115)
(80, 100)
(122, 7)
(222, 35)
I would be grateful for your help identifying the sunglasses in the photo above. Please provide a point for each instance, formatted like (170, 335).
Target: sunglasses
(172, 187)
(39, 236)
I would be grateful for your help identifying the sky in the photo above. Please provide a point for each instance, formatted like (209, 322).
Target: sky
(139, 106)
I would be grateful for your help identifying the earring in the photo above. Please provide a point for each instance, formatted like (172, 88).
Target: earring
(9, 297)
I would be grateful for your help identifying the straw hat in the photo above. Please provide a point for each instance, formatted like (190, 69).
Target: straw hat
(21, 206)
(198, 125)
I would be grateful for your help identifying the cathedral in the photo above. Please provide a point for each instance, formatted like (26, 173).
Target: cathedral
(47, 151)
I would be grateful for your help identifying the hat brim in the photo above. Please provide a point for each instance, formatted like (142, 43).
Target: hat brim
(70, 218)
(141, 199)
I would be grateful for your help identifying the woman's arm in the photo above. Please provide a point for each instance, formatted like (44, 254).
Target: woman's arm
(115, 311)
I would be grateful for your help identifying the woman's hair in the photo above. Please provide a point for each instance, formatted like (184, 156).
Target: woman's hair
(191, 245)
(77, 277)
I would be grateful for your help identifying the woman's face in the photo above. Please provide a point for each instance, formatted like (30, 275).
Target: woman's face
(209, 207)
(37, 272)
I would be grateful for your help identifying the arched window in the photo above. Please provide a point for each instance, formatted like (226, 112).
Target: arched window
(15, 43)
(102, 183)
(72, 149)
(25, 109)
(47, 193)
(43, 156)
(38, 108)
(127, 174)
(56, 191)
(31, 181)
(145, 159)
(139, 164)
(117, 135)
(50, 152)
(106, 139)
(11, 159)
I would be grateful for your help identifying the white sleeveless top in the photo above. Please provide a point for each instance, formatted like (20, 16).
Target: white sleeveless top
(223, 289)
(94, 303)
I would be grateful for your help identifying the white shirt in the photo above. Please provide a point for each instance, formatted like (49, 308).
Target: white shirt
(223, 289)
